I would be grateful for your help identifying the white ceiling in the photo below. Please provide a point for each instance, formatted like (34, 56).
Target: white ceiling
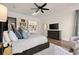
(25, 8)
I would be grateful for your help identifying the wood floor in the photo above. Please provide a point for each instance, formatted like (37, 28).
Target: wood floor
(62, 43)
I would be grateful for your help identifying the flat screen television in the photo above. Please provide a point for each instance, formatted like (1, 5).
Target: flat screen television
(54, 26)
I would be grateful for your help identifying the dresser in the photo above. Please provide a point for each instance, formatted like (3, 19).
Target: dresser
(54, 34)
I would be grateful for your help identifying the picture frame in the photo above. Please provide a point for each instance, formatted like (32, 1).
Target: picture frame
(32, 26)
(24, 24)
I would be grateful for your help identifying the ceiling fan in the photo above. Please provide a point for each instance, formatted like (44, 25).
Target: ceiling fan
(40, 7)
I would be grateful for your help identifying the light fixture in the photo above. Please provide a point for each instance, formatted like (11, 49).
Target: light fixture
(3, 19)
(3, 13)
(35, 13)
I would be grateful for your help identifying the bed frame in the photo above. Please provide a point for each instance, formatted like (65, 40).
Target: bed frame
(34, 49)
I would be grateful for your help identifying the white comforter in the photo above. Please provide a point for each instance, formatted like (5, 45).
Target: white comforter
(24, 44)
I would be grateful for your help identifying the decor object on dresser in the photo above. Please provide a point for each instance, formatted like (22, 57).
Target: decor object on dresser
(3, 19)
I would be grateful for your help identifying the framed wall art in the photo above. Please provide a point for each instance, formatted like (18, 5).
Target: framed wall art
(32, 26)
(24, 24)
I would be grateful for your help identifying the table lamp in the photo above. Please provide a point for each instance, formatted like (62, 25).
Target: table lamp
(3, 18)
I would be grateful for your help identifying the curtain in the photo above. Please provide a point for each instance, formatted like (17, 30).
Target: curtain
(76, 24)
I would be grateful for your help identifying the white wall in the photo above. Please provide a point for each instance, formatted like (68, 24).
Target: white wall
(65, 18)
(21, 16)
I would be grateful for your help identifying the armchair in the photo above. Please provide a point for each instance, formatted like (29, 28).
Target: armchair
(75, 40)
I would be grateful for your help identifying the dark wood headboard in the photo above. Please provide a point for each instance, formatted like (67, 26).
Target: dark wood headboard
(11, 20)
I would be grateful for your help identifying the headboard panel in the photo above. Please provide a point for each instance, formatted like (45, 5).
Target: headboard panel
(10, 21)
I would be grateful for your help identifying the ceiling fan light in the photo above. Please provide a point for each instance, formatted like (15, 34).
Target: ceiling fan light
(35, 13)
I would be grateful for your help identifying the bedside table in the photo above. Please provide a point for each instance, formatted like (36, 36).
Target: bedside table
(1, 49)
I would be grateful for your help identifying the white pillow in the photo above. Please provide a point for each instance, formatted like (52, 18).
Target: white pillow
(12, 36)
(6, 36)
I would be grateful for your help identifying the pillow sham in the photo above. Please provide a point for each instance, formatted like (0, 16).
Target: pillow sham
(12, 36)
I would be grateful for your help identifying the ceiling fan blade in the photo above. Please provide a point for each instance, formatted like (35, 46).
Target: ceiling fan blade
(36, 5)
(44, 4)
(45, 8)
(37, 10)
(34, 8)
(42, 11)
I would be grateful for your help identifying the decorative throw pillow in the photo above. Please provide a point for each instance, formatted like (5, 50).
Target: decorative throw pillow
(18, 34)
(20, 31)
(25, 34)
(12, 36)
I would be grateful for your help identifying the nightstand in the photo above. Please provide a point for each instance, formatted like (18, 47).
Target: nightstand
(1, 50)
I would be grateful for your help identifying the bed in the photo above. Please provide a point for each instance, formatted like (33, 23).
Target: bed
(30, 46)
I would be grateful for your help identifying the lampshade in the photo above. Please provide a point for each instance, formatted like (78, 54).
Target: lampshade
(3, 13)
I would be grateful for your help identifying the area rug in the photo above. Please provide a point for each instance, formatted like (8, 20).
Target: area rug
(54, 50)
